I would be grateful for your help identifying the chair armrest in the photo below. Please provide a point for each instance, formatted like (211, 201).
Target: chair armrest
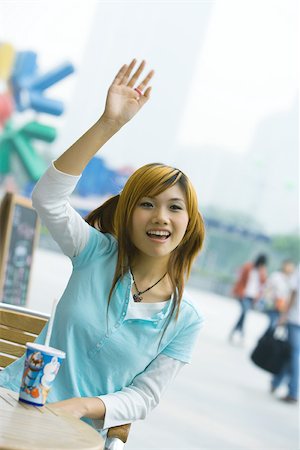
(121, 432)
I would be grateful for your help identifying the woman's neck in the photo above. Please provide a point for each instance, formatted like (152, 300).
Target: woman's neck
(149, 269)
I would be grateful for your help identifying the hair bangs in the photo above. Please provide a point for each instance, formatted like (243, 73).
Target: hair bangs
(159, 180)
(148, 181)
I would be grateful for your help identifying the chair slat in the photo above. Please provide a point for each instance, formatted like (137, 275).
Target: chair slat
(13, 335)
(6, 360)
(22, 321)
(12, 349)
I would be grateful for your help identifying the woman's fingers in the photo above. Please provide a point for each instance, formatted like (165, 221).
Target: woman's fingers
(128, 72)
(119, 77)
(147, 92)
(136, 75)
(142, 99)
(145, 81)
(124, 75)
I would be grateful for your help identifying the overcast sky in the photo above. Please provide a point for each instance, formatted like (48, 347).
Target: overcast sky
(223, 68)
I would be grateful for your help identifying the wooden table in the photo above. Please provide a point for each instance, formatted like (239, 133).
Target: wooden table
(26, 427)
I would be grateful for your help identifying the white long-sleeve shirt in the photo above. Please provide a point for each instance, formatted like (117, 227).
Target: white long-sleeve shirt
(51, 200)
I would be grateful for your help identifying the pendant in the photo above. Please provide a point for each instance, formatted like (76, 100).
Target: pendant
(137, 298)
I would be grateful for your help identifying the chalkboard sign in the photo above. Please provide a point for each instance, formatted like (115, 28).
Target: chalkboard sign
(19, 226)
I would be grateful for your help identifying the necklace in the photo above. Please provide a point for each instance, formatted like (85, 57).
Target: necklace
(137, 297)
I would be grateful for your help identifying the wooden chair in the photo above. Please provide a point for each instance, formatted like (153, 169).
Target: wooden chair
(20, 325)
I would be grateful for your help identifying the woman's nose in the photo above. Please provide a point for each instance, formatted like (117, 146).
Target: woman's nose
(160, 216)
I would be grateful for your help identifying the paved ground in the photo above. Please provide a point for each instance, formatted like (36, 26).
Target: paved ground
(219, 402)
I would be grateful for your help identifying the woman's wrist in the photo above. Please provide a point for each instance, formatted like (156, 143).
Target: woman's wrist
(93, 408)
(112, 126)
(90, 407)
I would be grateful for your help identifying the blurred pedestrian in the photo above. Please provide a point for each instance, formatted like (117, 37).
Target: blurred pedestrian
(249, 288)
(277, 292)
(291, 318)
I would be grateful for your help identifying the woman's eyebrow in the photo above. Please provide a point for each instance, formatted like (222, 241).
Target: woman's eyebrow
(176, 199)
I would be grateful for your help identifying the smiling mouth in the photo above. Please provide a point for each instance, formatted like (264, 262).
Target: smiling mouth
(160, 235)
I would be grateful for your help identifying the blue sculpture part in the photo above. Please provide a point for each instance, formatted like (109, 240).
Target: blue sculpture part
(25, 67)
(42, 104)
(42, 82)
(29, 86)
(98, 179)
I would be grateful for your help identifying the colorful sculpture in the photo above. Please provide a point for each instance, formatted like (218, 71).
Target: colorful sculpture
(23, 87)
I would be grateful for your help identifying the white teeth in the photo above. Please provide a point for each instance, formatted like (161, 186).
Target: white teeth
(159, 233)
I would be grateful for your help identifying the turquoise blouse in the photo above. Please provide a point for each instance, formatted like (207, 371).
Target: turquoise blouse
(103, 356)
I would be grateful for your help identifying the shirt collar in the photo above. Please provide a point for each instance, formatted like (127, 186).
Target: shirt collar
(161, 315)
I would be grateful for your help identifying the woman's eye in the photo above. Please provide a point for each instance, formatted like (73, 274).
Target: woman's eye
(175, 207)
(146, 204)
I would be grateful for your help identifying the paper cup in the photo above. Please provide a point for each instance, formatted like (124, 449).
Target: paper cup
(40, 369)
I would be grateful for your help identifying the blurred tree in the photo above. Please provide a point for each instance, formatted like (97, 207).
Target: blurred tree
(238, 218)
(287, 246)
(232, 238)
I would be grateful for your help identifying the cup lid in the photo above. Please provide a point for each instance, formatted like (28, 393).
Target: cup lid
(46, 349)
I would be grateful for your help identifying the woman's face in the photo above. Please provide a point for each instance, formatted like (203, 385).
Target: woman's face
(159, 223)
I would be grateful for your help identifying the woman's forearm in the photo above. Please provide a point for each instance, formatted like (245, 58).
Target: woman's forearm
(90, 407)
(94, 408)
(75, 159)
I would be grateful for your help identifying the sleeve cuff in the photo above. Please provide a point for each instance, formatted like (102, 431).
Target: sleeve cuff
(109, 419)
(57, 172)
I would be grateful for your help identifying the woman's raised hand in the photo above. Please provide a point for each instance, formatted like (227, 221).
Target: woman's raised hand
(127, 95)
(125, 98)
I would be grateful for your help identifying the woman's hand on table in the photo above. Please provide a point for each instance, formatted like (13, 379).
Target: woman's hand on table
(91, 407)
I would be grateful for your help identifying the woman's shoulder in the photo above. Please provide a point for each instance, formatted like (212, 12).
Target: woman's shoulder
(190, 306)
(100, 236)
(99, 244)
(103, 242)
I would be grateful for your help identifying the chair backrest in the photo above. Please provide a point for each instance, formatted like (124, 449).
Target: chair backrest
(17, 326)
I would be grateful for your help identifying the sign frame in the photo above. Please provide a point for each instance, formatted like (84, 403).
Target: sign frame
(7, 211)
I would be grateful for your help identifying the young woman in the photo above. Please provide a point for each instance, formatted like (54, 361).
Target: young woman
(124, 320)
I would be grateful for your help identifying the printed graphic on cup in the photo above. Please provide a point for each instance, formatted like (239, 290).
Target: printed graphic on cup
(40, 369)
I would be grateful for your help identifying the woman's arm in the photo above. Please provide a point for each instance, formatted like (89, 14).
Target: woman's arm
(91, 407)
(122, 103)
(50, 198)
(51, 195)
(132, 402)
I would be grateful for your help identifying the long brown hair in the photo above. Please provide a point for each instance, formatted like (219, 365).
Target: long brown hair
(115, 216)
